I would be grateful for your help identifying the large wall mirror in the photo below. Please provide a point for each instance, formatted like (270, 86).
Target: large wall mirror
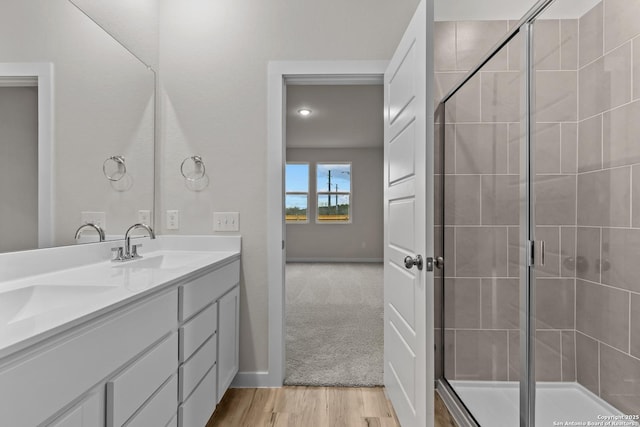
(76, 128)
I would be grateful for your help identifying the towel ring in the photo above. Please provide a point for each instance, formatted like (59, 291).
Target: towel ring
(121, 168)
(198, 169)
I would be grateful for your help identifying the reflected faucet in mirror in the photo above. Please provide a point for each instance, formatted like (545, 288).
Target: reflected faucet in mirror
(96, 227)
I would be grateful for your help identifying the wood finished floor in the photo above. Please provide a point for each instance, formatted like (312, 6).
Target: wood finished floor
(311, 407)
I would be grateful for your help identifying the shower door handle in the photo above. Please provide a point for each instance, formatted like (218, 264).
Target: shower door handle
(541, 253)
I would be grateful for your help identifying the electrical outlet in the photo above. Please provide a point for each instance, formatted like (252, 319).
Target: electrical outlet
(144, 217)
(97, 218)
(226, 221)
(173, 220)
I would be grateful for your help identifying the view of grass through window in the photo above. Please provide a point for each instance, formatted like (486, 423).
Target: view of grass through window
(333, 182)
(297, 192)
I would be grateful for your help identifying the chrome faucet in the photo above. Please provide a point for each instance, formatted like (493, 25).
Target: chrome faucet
(132, 252)
(90, 225)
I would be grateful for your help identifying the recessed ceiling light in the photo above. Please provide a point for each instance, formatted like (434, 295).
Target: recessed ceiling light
(304, 112)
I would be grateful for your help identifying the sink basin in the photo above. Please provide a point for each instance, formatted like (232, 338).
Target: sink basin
(162, 262)
(23, 303)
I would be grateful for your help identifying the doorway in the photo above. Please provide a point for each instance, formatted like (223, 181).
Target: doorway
(334, 234)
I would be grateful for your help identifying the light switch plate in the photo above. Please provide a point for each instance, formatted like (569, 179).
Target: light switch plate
(226, 221)
(173, 220)
(144, 216)
(97, 218)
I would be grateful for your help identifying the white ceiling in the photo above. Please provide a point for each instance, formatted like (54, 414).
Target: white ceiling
(474, 10)
(343, 116)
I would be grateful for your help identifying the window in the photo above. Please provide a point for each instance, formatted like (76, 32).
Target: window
(296, 192)
(333, 188)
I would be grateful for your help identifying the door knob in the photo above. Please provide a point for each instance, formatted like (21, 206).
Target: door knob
(439, 262)
(410, 262)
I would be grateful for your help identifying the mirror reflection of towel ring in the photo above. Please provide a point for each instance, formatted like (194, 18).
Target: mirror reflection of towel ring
(199, 169)
(120, 171)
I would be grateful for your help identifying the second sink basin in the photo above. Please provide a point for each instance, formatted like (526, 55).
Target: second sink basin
(23, 303)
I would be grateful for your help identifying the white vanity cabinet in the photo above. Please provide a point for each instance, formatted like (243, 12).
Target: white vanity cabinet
(205, 326)
(163, 360)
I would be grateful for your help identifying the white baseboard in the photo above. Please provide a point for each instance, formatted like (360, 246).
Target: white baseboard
(376, 260)
(255, 380)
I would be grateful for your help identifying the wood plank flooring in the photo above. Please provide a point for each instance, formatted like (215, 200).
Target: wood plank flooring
(310, 407)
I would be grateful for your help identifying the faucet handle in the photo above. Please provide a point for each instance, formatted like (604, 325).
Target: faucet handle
(134, 250)
(117, 254)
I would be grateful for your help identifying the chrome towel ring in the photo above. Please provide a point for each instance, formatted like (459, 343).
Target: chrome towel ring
(120, 168)
(198, 172)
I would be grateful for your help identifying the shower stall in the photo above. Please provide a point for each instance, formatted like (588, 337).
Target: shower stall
(538, 177)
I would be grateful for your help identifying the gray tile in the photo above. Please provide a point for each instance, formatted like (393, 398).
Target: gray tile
(635, 194)
(605, 83)
(481, 251)
(635, 325)
(450, 354)
(568, 356)
(620, 135)
(548, 356)
(556, 96)
(462, 199)
(587, 363)
(620, 266)
(515, 53)
(569, 44)
(514, 355)
(481, 355)
(437, 286)
(438, 208)
(555, 303)
(515, 140)
(591, 35)
(621, 22)
(588, 254)
(462, 303)
(620, 380)
(546, 141)
(603, 313)
(568, 251)
(444, 82)
(569, 138)
(444, 46)
(475, 38)
(500, 199)
(500, 304)
(514, 252)
(481, 148)
(449, 251)
(464, 106)
(551, 238)
(590, 144)
(636, 68)
(604, 198)
(500, 96)
(449, 143)
(437, 356)
(555, 199)
(546, 37)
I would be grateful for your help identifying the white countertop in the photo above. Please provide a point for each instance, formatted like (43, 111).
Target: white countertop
(35, 307)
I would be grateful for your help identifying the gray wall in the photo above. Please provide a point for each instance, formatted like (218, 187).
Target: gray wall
(362, 239)
(18, 164)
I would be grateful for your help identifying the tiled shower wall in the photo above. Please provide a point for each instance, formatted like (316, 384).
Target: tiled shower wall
(587, 139)
(608, 190)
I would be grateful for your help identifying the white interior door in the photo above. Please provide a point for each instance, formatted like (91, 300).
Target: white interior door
(408, 290)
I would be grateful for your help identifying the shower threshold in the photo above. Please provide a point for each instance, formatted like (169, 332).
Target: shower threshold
(496, 404)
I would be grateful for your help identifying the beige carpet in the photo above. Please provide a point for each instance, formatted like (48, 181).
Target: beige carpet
(334, 324)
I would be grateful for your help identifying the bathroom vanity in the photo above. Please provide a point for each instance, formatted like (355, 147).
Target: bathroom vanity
(150, 342)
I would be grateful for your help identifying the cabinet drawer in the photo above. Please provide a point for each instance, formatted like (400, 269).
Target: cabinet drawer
(131, 388)
(86, 414)
(199, 407)
(195, 368)
(195, 295)
(159, 410)
(197, 330)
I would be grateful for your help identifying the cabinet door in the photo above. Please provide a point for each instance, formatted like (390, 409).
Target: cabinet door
(228, 339)
(88, 413)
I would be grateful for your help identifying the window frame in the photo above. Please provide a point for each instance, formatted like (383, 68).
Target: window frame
(334, 193)
(298, 193)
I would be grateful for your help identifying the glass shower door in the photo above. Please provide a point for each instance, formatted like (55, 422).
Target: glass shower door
(482, 200)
